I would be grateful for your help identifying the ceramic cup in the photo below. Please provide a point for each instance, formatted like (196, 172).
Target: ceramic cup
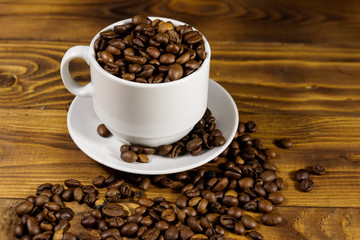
(141, 113)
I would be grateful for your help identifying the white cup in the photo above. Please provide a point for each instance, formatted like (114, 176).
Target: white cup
(140, 113)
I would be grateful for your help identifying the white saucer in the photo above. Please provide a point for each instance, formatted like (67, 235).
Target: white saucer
(82, 124)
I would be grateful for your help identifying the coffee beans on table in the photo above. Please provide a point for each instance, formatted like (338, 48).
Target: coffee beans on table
(210, 203)
(147, 51)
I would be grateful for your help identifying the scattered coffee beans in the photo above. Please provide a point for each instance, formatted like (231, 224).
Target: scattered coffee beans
(148, 51)
(203, 136)
(210, 203)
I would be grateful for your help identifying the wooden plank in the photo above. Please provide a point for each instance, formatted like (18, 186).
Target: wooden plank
(258, 21)
(32, 154)
(293, 78)
(299, 223)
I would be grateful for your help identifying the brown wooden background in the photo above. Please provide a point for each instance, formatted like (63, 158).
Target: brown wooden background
(291, 66)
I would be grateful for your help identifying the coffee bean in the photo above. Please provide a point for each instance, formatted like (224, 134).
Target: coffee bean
(248, 222)
(302, 174)
(88, 221)
(103, 131)
(33, 226)
(227, 221)
(65, 213)
(194, 224)
(129, 229)
(172, 233)
(265, 206)
(255, 235)
(129, 156)
(306, 185)
(175, 71)
(24, 207)
(168, 215)
(276, 198)
(147, 202)
(138, 19)
(98, 181)
(151, 234)
(285, 143)
(271, 219)
(235, 212)
(164, 150)
(230, 201)
(318, 169)
(268, 176)
(113, 210)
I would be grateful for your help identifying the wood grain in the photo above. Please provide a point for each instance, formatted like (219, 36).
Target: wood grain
(291, 66)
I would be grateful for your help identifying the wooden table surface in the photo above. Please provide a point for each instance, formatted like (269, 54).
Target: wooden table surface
(291, 66)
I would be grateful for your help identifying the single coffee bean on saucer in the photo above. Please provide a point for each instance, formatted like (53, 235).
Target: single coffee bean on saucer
(103, 131)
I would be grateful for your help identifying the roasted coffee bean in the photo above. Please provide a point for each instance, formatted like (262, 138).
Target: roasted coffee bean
(248, 222)
(239, 228)
(271, 219)
(90, 199)
(168, 215)
(265, 206)
(251, 126)
(306, 185)
(112, 233)
(285, 143)
(246, 183)
(190, 211)
(175, 71)
(270, 187)
(276, 198)
(202, 206)
(194, 224)
(101, 129)
(129, 229)
(19, 230)
(166, 182)
(88, 221)
(172, 233)
(112, 195)
(318, 169)
(32, 226)
(151, 234)
(147, 202)
(62, 225)
(65, 213)
(98, 181)
(302, 174)
(147, 221)
(129, 156)
(251, 205)
(268, 176)
(255, 235)
(164, 150)
(279, 183)
(113, 210)
(230, 201)
(235, 212)
(24, 207)
(40, 200)
(193, 144)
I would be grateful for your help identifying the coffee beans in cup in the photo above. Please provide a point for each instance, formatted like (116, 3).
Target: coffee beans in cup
(150, 51)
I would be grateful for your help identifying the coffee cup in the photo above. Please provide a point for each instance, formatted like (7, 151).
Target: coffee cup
(141, 113)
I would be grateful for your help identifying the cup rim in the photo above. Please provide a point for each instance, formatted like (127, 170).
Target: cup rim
(147, 85)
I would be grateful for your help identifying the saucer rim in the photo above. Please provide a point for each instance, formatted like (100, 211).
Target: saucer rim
(216, 151)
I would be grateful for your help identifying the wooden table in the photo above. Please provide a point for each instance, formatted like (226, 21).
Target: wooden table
(291, 66)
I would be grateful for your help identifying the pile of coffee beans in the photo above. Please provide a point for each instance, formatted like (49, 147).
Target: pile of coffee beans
(203, 136)
(148, 51)
(303, 177)
(212, 201)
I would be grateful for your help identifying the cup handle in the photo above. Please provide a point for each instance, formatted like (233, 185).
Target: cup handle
(71, 85)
